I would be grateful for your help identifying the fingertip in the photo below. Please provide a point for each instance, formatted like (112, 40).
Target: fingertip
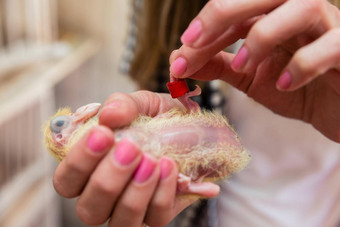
(105, 116)
(100, 139)
(107, 131)
(126, 152)
(240, 60)
(173, 56)
(178, 67)
(284, 82)
(167, 167)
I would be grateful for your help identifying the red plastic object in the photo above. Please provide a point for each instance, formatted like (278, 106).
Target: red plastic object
(177, 88)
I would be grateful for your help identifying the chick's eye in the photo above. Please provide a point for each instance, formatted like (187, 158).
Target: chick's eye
(59, 123)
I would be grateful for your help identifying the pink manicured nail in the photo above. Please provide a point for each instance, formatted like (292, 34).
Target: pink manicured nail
(178, 67)
(126, 152)
(240, 59)
(284, 81)
(98, 141)
(145, 169)
(192, 33)
(166, 167)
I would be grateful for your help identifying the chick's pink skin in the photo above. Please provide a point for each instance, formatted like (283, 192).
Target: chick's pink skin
(163, 205)
(189, 104)
(204, 189)
(185, 185)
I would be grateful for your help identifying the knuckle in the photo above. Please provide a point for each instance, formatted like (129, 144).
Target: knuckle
(302, 65)
(335, 37)
(218, 8)
(314, 7)
(116, 96)
(161, 205)
(149, 98)
(102, 186)
(73, 167)
(133, 208)
(89, 213)
(144, 94)
(260, 34)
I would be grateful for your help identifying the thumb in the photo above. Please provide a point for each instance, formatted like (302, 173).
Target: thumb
(121, 109)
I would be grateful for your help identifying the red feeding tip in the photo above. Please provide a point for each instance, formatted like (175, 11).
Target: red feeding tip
(177, 88)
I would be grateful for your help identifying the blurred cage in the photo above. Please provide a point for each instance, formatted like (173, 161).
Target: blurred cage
(52, 53)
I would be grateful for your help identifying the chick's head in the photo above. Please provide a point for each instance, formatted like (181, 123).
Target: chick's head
(65, 128)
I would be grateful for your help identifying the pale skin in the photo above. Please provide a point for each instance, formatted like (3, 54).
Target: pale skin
(298, 37)
(290, 60)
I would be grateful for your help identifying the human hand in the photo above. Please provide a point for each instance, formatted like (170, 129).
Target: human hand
(118, 181)
(290, 46)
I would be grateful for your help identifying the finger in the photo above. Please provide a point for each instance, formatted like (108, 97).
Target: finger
(312, 61)
(186, 60)
(121, 109)
(216, 16)
(277, 27)
(106, 184)
(73, 172)
(161, 208)
(218, 67)
(132, 205)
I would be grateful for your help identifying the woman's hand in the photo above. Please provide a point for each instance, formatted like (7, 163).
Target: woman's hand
(118, 181)
(290, 46)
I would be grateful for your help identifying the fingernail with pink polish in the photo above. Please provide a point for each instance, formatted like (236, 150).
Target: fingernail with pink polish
(98, 141)
(125, 152)
(178, 67)
(240, 59)
(166, 167)
(145, 169)
(192, 33)
(284, 81)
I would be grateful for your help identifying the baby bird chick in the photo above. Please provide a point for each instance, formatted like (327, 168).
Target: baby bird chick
(65, 128)
(203, 144)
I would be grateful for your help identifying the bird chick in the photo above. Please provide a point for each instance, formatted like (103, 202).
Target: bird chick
(203, 144)
(65, 128)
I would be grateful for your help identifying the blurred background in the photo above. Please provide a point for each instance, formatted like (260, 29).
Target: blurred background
(53, 53)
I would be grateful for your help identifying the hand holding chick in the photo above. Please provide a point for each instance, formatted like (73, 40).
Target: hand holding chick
(83, 170)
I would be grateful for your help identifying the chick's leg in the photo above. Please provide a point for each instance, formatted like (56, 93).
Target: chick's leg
(203, 189)
(189, 104)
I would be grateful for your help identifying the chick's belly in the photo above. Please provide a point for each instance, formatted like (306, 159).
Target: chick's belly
(186, 137)
(180, 137)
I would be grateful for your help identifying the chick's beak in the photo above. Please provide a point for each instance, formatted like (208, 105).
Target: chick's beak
(82, 114)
